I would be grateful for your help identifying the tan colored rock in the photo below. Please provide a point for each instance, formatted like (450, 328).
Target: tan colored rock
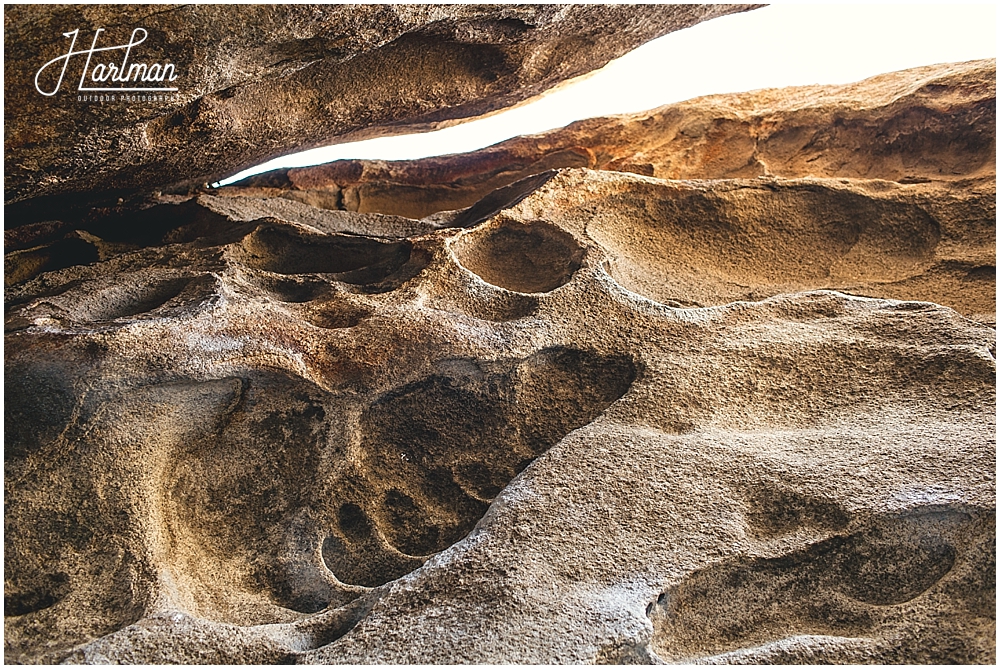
(258, 81)
(681, 243)
(929, 124)
(263, 441)
(705, 414)
(705, 243)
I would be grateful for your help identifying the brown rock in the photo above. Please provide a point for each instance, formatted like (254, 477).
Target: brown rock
(929, 124)
(265, 442)
(594, 417)
(255, 82)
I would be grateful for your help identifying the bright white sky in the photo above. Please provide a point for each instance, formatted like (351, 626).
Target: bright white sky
(779, 45)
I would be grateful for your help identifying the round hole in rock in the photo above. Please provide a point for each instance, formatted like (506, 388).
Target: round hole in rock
(533, 257)
(46, 590)
(294, 289)
(499, 305)
(337, 315)
(353, 522)
(130, 300)
(437, 451)
(358, 260)
(982, 273)
(361, 560)
(21, 266)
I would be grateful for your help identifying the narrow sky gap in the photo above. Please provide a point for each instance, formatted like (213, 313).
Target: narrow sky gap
(779, 45)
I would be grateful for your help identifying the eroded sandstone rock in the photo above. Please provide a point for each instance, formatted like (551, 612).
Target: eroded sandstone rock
(266, 442)
(587, 416)
(255, 82)
(934, 124)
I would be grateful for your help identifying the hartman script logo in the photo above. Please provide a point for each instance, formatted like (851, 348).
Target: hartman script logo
(127, 75)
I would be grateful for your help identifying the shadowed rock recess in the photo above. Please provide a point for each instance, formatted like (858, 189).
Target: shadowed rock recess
(259, 81)
(736, 408)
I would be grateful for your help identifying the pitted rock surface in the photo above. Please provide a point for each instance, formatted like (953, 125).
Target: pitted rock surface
(480, 444)
(594, 417)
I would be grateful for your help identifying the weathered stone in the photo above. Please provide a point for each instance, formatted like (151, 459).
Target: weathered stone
(271, 443)
(932, 124)
(259, 81)
(594, 417)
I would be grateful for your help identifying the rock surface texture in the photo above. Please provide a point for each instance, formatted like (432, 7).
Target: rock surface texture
(595, 417)
(931, 124)
(255, 82)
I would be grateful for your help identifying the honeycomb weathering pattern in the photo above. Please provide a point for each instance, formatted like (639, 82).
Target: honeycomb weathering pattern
(598, 417)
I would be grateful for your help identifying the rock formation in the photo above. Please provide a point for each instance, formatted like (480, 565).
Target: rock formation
(931, 124)
(255, 82)
(593, 417)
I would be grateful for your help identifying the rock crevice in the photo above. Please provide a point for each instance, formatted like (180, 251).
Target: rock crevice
(618, 395)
